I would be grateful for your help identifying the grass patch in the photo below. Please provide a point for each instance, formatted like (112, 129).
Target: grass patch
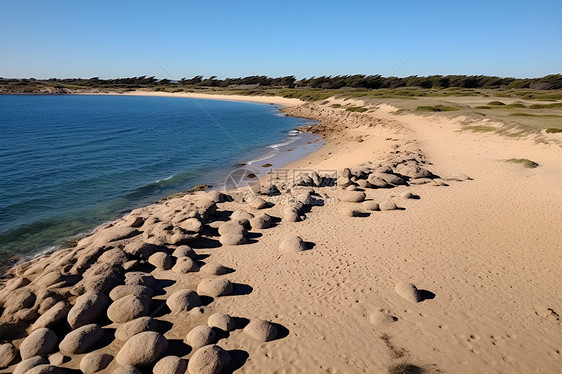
(480, 128)
(495, 102)
(405, 369)
(359, 109)
(553, 130)
(482, 107)
(546, 106)
(336, 105)
(534, 115)
(436, 108)
(524, 162)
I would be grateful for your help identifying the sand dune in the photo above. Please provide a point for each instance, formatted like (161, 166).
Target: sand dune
(462, 277)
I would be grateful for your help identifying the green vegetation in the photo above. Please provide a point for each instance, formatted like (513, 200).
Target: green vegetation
(546, 106)
(553, 130)
(359, 109)
(405, 369)
(436, 108)
(480, 128)
(534, 115)
(495, 103)
(524, 162)
(336, 105)
(482, 107)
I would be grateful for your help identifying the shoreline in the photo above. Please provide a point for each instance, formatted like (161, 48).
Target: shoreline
(431, 250)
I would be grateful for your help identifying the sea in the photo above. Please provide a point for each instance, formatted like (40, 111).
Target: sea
(69, 163)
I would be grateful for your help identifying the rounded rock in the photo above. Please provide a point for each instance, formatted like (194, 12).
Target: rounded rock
(200, 336)
(56, 313)
(8, 354)
(128, 308)
(26, 365)
(170, 365)
(131, 289)
(183, 301)
(184, 251)
(371, 205)
(353, 196)
(127, 330)
(221, 321)
(210, 359)
(94, 362)
(408, 291)
(139, 278)
(261, 330)
(261, 222)
(388, 205)
(160, 260)
(185, 265)
(40, 342)
(215, 287)
(233, 239)
(81, 339)
(215, 269)
(142, 349)
(292, 244)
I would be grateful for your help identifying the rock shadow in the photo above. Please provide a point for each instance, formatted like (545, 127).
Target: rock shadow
(241, 289)
(426, 295)
(238, 359)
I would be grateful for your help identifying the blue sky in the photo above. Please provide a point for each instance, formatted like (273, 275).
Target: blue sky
(76, 38)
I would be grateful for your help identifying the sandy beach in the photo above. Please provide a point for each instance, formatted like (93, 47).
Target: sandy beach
(404, 243)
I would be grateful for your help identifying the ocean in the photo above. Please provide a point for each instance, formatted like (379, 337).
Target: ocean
(69, 163)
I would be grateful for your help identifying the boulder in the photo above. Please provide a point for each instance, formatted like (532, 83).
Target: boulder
(81, 339)
(215, 287)
(353, 196)
(221, 321)
(115, 256)
(128, 308)
(292, 244)
(232, 227)
(371, 205)
(388, 205)
(261, 330)
(183, 301)
(56, 313)
(40, 342)
(26, 365)
(140, 249)
(210, 359)
(131, 328)
(261, 222)
(408, 291)
(87, 309)
(381, 317)
(184, 251)
(258, 203)
(349, 211)
(241, 215)
(232, 239)
(406, 195)
(58, 359)
(8, 354)
(139, 278)
(100, 277)
(215, 269)
(170, 365)
(46, 369)
(200, 336)
(131, 289)
(94, 362)
(127, 369)
(161, 261)
(185, 265)
(142, 349)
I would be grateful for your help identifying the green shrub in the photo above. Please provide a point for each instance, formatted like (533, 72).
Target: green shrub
(524, 162)
(495, 103)
(553, 130)
(436, 108)
(359, 109)
(336, 105)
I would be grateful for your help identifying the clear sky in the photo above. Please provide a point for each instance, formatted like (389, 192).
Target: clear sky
(78, 38)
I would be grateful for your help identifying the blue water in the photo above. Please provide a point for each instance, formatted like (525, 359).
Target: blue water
(69, 163)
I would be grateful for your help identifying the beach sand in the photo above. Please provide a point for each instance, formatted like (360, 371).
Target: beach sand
(463, 277)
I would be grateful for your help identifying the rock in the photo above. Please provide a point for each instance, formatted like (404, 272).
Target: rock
(406, 195)
(261, 330)
(353, 196)
(183, 301)
(131, 328)
(128, 308)
(192, 225)
(40, 342)
(139, 278)
(291, 215)
(413, 171)
(459, 177)
(215, 269)
(46, 369)
(47, 303)
(391, 178)
(184, 251)
(170, 365)
(210, 359)
(408, 291)
(440, 182)
(363, 183)
(232, 239)
(8, 354)
(349, 211)
(292, 244)
(388, 205)
(371, 205)
(346, 173)
(49, 279)
(200, 336)
(381, 317)
(261, 222)
(81, 339)
(206, 208)
(258, 203)
(94, 362)
(216, 196)
(161, 261)
(141, 249)
(377, 182)
(185, 265)
(221, 321)
(232, 227)
(55, 314)
(215, 287)
(131, 289)
(100, 277)
(87, 309)
(113, 234)
(241, 215)
(58, 359)
(115, 256)
(142, 349)
(351, 187)
(19, 299)
(26, 365)
(127, 369)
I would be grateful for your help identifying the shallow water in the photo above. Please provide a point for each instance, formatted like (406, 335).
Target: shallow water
(70, 163)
